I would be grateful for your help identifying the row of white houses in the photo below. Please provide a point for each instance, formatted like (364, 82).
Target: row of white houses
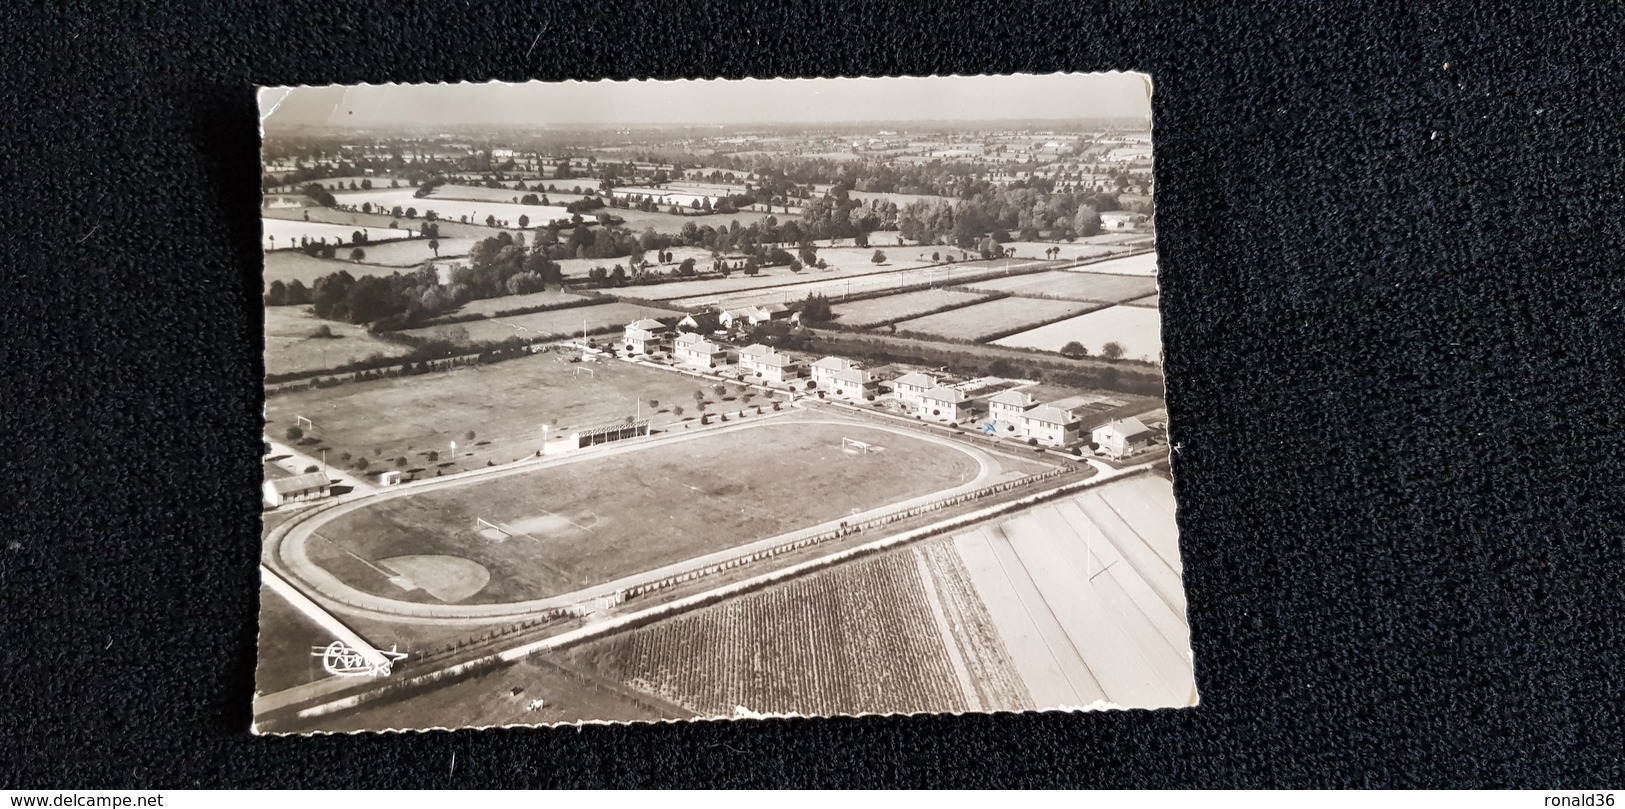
(1011, 414)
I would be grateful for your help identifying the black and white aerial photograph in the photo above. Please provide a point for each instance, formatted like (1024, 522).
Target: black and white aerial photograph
(662, 401)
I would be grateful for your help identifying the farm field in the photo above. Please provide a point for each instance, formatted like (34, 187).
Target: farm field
(835, 284)
(611, 515)
(1152, 301)
(1078, 286)
(353, 219)
(543, 325)
(1138, 329)
(453, 209)
(993, 317)
(489, 306)
(1087, 593)
(1144, 264)
(843, 265)
(1070, 251)
(290, 348)
(282, 233)
(415, 252)
(861, 638)
(384, 419)
(290, 265)
(286, 637)
(894, 307)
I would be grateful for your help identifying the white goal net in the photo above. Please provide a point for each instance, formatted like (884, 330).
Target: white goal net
(852, 446)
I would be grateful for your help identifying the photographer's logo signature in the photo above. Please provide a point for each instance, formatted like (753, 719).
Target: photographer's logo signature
(341, 660)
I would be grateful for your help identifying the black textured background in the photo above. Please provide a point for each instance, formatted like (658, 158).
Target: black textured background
(1392, 309)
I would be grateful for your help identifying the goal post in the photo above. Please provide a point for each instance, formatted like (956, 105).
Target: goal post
(304, 422)
(852, 446)
(490, 530)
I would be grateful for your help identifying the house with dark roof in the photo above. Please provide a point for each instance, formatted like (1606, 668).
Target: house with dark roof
(702, 322)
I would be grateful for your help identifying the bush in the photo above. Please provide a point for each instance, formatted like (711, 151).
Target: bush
(294, 433)
(1032, 442)
(361, 464)
(312, 468)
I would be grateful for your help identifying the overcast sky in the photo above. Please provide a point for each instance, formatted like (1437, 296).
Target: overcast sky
(949, 98)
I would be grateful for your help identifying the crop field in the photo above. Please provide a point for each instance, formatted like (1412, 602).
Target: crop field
(387, 418)
(1087, 593)
(1152, 301)
(542, 325)
(453, 209)
(615, 513)
(1077, 286)
(1143, 264)
(835, 284)
(290, 345)
(983, 319)
(1138, 329)
(858, 639)
(281, 233)
(893, 307)
(685, 293)
(415, 252)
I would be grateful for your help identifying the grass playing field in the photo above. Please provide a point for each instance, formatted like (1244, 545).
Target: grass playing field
(505, 405)
(615, 515)
(992, 317)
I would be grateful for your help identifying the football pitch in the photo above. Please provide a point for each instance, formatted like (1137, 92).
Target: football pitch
(615, 514)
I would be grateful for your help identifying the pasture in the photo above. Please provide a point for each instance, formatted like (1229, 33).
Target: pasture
(993, 317)
(415, 252)
(617, 514)
(454, 209)
(861, 314)
(291, 347)
(357, 219)
(1076, 286)
(505, 405)
(490, 306)
(1138, 329)
(562, 323)
(1141, 264)
(1152, 301)
(276, 234)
